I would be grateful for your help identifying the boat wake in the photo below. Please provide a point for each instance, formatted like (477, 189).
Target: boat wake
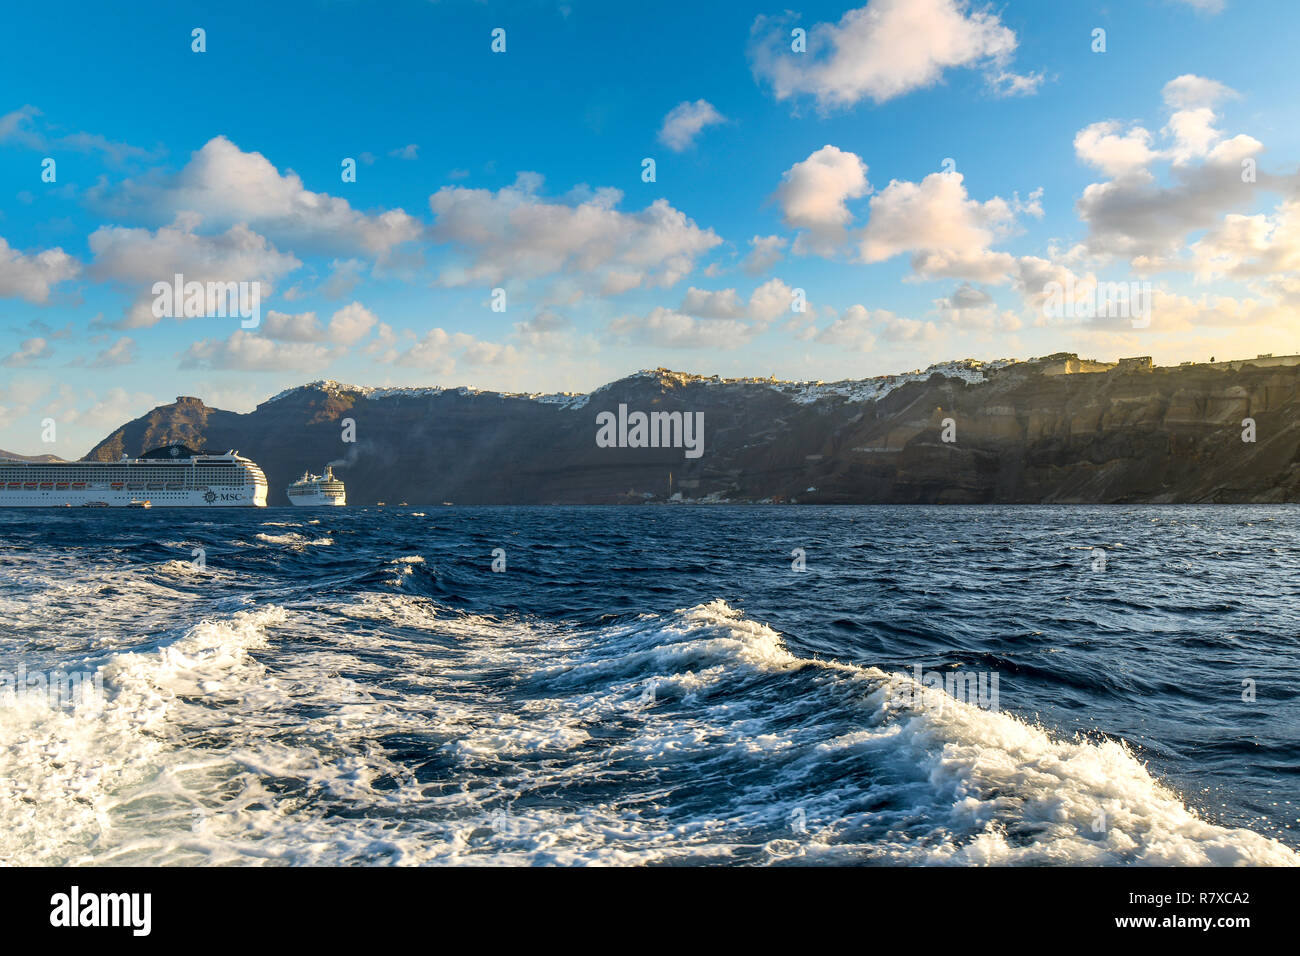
(390, 728)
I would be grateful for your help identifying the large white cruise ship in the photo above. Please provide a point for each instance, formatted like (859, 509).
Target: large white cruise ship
(318, 490)
(170, 476)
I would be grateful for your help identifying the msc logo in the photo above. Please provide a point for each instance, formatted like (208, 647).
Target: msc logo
(212, 496)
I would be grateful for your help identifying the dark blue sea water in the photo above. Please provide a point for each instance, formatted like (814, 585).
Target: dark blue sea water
(653, 685)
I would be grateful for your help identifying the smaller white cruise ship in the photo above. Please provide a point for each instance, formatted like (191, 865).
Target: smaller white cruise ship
(318, 490)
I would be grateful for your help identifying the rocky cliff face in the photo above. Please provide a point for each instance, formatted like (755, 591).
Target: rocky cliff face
(1023, 432)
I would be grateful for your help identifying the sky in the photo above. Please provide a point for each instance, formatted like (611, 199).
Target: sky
(836, 190)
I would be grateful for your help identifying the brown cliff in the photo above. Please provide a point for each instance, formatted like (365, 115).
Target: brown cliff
(1058, 429)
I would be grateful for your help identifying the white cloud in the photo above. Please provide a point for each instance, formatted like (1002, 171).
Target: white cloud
(1006, 83)
(711, 318)
(814, 195)
(409, 151)
(292, 327)
(772, 300)
(140, 257)
(28, 352)
(121, 352)
(440, 351)
(250, 352)
(383, 345)
(685, 121)
(347, 326)
(351, 324)
(544, 331)
(1263, 250)
(894, 328)
(1115, 153)
(31, 276)
(516, 234)
(1135, 214)
(722, 304)
(1190, 91)
(1033, 274)
(764, 252)
(23, 126)
(858, 329)
(947, 232)
(345, 275)
(479, 353)
(228, 186)
(853, 329)
(668, 328)
(766, 303)
(434, 351)
(972, 308)
(880, 51)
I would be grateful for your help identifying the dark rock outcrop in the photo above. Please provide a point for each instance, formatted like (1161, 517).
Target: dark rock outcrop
(1039, 431)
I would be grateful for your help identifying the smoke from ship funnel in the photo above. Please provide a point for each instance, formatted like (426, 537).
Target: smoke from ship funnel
(349, 460)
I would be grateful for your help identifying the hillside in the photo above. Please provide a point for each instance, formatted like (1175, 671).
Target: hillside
(1058, 429)
(14, 456)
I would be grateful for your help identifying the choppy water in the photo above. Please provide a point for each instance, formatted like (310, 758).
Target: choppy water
(653, 685)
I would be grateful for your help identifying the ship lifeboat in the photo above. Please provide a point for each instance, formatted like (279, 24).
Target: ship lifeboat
(29, 485)
(61, 486)
(45, 485)
(116, 485)
(15, 485)
(78, 485)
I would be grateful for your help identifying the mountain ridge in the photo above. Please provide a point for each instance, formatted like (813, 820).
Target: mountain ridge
(1054, 429)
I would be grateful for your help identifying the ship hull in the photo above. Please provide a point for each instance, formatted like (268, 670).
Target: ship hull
(99, 497)
(170, 477)
(317, 501)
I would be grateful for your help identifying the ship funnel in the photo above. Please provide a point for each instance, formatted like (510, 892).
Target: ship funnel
(329, 472)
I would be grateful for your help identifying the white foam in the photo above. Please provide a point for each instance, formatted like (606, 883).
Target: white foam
(234, 744)
(294, 540)
(1016, 793)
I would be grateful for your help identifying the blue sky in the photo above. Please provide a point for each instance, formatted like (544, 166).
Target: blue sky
(522, 171)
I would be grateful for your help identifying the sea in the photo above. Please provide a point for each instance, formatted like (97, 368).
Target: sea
(657, 685)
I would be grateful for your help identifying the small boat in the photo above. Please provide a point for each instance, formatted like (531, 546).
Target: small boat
(140, 504)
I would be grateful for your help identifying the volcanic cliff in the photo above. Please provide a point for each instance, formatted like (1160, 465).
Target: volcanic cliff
(1058, 429)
